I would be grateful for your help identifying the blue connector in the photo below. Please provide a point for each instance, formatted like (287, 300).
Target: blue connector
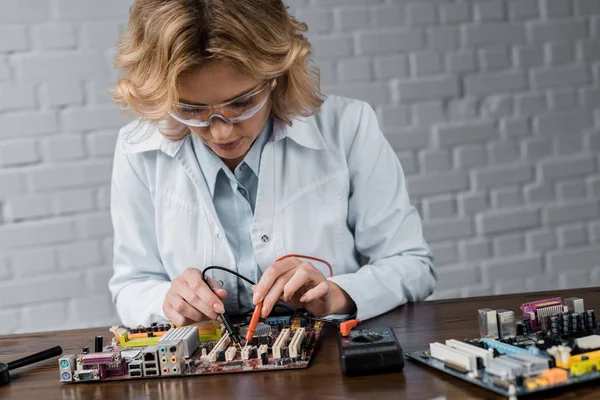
(509, 349)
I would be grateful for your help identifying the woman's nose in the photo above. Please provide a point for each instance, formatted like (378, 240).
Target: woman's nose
(220, 130)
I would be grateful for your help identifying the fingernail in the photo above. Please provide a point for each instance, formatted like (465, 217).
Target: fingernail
(264, 312)
(255, 298)
(222, 291)
(302, 299)
(218, 308)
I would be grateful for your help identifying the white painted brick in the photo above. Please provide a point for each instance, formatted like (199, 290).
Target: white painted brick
(49, 315)
(557, 31)
(78, 10)
(44, 67)
(528, 104)
(418, 14)
(489, 11)
(503, 152)
(105, 34)
(24, 11)
(496, 107)
(453, 276)
(563, 167)
(13, 38)
(509, 286)
(581, 210)
(407, 160)
(539, 193)
(107, 250)
(72, 201)
(472, 202)
(562, 99)
(559, 76)
(18, 152)
(26, 207)
(28, 234)
(371, 92)
(426, 63)
(10, 321)
(569, 259)
(464, 133)
(55, 36)
(408, 139)
(502, 175)
(476, 291)
(463, 108)
(76, 174)
(453, 13)
(588, 50)
(443, 38)
(586, 7)
(386, 41)
(5, 271)
(11, 183)
(99, 306)
(536, 148)
(555, 8)
(350, 18)
(429, 113)
(393, 116)
(575, 279)
(590, 97)
(515, 127)
(62, 147)
(572, 235)
(27, 123)
(34, 262)
(490, 34)
(562, 123)
(78, 255)
(439, 183)
(500, 221)
(392, 16)
(493, 83)
(328, 71)
(56, 93)
(520, 10)
(444, 253)
(592, 141)
(570, 189)
(15, 96)
(447, 229)
(528, 56)
(506, 197)
(595, 26)
(435, 160)
(92, 226)
(564, 145)
(4, 69)
(96, 118)
(355, 69)
(509, 245)
(475, 249)
(439, 207)
(318, 21)
(594, 232)
(461, 61)
(559, 53)
(542, 283)
(540, 240)
(394, 66)
(520, 266)
(494, 58)
(101, 143)
(469, 156)
(97, 279)
(434, 87)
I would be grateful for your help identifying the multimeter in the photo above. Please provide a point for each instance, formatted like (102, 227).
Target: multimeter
(370, 351)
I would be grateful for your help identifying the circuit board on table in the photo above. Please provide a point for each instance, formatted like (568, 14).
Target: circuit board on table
(555, 345)
(164, 351)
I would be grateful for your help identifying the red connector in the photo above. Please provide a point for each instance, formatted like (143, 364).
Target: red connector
(347, 326)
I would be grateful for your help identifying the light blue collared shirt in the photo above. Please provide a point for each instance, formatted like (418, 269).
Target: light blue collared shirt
(234, 196)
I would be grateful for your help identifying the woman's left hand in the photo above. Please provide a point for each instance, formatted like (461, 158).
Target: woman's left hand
(300, 284)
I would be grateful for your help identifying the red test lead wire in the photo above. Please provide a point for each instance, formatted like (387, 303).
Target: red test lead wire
(258, 309)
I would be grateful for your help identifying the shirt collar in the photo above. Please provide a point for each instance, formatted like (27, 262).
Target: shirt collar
(303, 131)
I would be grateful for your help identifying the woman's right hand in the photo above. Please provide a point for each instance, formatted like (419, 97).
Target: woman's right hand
(190, 300)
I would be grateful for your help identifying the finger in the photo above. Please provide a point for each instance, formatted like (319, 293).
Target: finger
(179, 312)
(195, 301)
(305, 273)
(270, 276)
(216, 287)
(274, 294)
(321, 290)
(201, 289)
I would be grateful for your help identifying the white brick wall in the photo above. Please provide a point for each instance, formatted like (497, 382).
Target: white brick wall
(491, 106)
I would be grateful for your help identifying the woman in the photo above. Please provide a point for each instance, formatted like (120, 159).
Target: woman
(237, 160)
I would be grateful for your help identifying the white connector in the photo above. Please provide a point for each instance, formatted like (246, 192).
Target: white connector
(280, 343)
(445, 353)
(221, 345)
(296, 342)
(230, 353)
(470, 349)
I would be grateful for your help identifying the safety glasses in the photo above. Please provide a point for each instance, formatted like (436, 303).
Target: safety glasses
(236, 110)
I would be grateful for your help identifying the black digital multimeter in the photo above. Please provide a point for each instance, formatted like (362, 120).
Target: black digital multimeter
(370, 351)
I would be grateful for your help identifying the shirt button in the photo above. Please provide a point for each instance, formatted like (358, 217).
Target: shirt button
(265, 238)
(219, 235)
(244, 167)
(243, 191)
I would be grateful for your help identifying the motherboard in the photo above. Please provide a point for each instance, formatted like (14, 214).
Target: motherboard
(165, 350)
(555, 344)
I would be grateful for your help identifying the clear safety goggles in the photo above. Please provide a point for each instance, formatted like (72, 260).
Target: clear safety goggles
(236, 110)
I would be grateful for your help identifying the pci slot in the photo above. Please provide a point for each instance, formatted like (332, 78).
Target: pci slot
(508, 349)
(445, 353)
(296, 342)
(221, 345)
(280, 343)
(470, 349)
(230, 353)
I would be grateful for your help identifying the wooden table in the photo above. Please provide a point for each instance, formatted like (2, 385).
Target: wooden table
(416, 325)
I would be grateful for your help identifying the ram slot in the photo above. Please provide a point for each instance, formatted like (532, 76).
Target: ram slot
(230, 353)
(485, 355)
(296, 342)
(280, 343)
(221, 345)
(445, 353)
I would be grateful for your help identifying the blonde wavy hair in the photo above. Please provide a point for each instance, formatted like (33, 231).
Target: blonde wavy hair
(167, 38)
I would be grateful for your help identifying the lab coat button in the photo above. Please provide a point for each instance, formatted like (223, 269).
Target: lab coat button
(265, 238)
(219, 236)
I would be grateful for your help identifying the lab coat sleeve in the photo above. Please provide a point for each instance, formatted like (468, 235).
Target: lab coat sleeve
(398, 264)
(139, 282)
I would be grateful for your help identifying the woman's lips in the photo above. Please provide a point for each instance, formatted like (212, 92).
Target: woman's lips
(228, 146)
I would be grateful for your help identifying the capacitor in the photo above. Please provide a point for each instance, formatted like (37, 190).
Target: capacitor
(85, 350)
(254, 341)
(520, 328)
(221, 355)
(581, 322)
(566, 324)
(575, 322)
(98, 344)
(590, 317)
(264, 358)
(253, 352)
(526, 326)
(554, 325)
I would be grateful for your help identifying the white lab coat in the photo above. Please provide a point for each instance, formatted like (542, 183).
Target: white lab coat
(330, 186)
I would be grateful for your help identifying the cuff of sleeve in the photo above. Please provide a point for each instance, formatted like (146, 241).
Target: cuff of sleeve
(348, 283)
(144, 304)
